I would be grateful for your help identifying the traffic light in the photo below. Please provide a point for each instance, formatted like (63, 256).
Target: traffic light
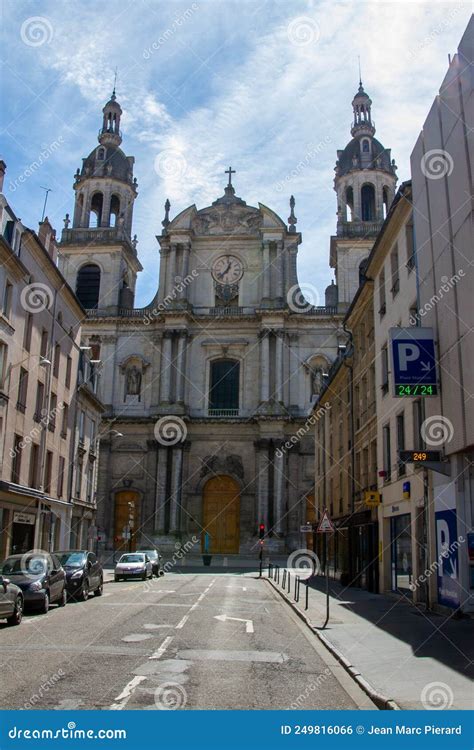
(261, 531)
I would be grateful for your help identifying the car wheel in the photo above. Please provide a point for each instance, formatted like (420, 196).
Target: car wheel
(100, 589)
(144, 576)
(45, 605)
(63, 599)
(151, 575)
(161, 573)
(17, 615)
(84, 595)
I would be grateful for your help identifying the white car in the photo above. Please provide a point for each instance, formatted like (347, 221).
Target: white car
(134, 565)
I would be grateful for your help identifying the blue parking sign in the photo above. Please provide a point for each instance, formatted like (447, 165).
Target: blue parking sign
(413, 361)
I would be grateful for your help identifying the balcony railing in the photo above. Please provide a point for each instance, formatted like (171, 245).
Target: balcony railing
(99, 234)
(359, 228)
(218, 312)
(223, 412)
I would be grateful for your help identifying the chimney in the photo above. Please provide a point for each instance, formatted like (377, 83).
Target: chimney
(3, 167)
(47, 236)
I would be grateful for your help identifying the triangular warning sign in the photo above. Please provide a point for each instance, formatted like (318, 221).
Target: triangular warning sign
(325, 525)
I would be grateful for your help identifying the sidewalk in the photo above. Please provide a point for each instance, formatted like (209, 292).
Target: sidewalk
(415, 659)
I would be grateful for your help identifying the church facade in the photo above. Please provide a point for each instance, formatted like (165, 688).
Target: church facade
(209, 388)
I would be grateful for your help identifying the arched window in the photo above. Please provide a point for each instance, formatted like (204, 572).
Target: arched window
(114, 210)
(97, 202)
(224, 386)
(365, 146)
(350, 202)
(367, 195)
(88, 286)
(385, 200)
(100, 154)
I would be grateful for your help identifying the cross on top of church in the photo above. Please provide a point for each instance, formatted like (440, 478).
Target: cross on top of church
(230, 172)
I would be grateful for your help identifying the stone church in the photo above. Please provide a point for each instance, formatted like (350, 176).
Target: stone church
(208, 388)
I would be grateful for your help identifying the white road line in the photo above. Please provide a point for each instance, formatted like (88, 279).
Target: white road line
(183, 621)
(161, 650)
(126, 693)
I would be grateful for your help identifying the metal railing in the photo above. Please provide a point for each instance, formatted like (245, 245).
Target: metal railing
(223, 412)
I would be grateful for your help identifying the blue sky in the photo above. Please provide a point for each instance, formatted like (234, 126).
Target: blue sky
(263, 86)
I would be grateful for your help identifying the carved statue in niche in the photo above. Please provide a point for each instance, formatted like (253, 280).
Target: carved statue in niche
(133, 382)
(316, 380)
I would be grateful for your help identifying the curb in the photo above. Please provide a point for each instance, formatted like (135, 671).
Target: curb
(381, 701)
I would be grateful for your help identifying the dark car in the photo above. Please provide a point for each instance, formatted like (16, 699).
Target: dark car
(83, 573)
(40, 577)
(155, 559)
(11, 601)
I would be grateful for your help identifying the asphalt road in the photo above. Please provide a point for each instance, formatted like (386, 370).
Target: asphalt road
(172, 644)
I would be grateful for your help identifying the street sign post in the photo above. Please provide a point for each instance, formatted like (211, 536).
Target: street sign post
(413, 362)
(326, 526)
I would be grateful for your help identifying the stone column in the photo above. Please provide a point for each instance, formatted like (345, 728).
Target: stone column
(166, 366)
(172, 270)
(292, 268)
(266, 271)
(181, 366)
(279, 342)
(156, 340)
(160, 488)
(279, 484)
(164, 254)
(262, 482)
(264, 365)
(280, 273)
(175, 503)
(185, 270)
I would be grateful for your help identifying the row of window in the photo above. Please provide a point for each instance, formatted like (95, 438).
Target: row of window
(400, 440)
(395, 269)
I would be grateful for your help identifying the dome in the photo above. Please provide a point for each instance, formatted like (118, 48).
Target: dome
(380, 157)
(113, 164)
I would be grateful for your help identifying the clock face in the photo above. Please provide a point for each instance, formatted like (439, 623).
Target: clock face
(227, 269)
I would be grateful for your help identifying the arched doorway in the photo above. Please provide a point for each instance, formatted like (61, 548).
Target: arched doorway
(221, 514)
(127, 520)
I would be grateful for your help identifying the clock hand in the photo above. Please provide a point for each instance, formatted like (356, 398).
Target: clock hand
(224, 272)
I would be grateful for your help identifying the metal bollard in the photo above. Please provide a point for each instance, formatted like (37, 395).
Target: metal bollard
(283, 580)
(297, 589)
(307, 589)
(278, 574)
(269, 570)
(289, 582)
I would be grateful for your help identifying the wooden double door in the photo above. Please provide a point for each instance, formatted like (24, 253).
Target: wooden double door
(221, 515)
(127, 520)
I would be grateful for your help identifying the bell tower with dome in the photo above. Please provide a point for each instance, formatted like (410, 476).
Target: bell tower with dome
(98, 255)
(365, 181)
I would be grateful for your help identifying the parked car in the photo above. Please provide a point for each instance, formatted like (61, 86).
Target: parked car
(40, 577)
(83, 573)
(11, 601)
(155, 559)
(134, 565)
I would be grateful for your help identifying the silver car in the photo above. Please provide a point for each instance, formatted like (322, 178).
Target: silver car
(11, 601)
(134, 565)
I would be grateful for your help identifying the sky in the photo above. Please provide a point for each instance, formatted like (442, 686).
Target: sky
(263, 86)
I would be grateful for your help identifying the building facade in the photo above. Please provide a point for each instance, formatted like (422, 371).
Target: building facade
(208, 383)
(40, 331)
(442, 172)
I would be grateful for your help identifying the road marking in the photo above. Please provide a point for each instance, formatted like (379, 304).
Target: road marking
(248, 623)
(136, 637)
(183, 620)
(161, 650)
(126, 693)
(155, 626)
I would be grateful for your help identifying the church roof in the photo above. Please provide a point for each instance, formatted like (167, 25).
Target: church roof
(116, 164)
(345, 158)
